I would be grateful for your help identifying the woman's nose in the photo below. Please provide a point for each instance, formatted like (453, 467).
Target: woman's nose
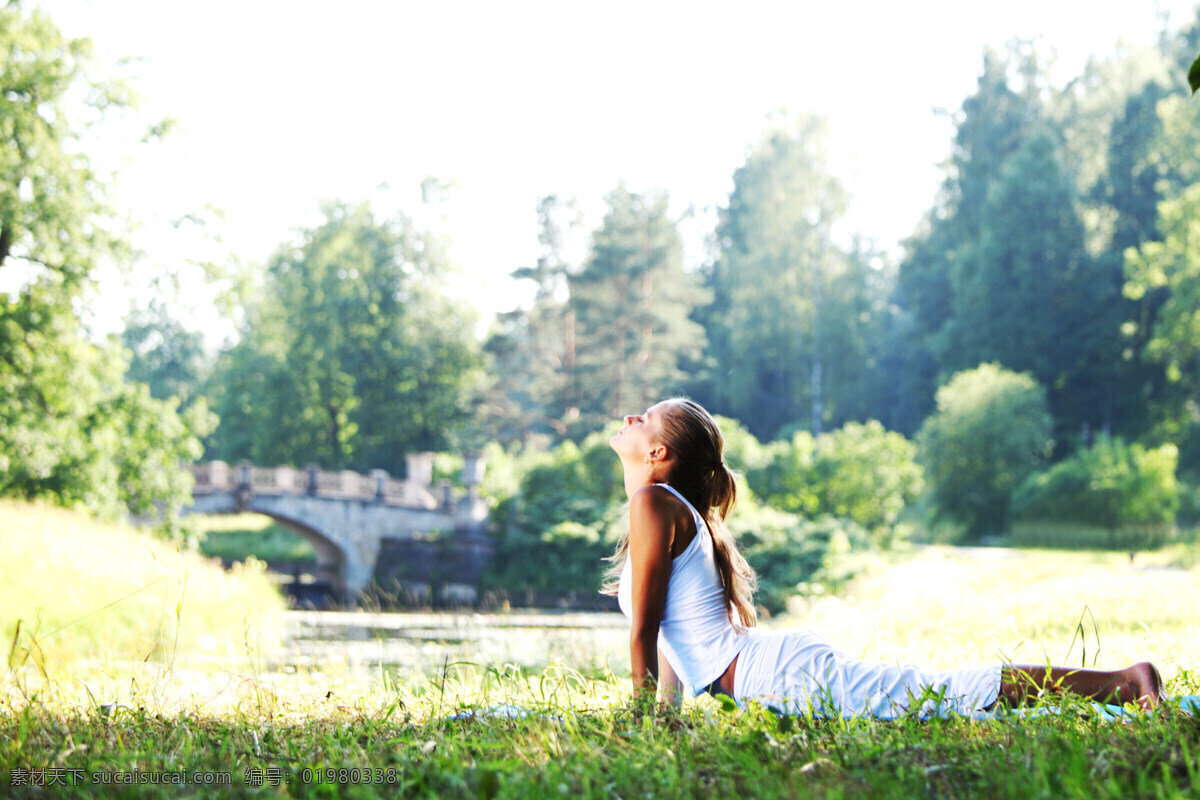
(629, 418)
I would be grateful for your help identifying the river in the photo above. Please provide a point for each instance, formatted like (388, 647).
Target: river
(404, 643)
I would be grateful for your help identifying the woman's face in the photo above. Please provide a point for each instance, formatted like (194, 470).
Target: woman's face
(639, 435)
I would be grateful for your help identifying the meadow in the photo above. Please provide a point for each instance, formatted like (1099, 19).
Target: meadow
(167, 690)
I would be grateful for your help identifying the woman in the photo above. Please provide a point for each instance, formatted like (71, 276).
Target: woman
(689, 595)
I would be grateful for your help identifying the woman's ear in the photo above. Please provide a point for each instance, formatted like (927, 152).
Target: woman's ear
(657, 453)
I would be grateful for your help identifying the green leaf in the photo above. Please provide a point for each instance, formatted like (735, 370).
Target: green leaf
(1194, 75)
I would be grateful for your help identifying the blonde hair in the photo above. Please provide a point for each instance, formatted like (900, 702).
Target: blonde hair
(700, 474)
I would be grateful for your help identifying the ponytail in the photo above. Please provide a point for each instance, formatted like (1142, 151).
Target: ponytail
(737, 576)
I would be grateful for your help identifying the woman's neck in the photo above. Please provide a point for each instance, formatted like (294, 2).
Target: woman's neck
(639, 475)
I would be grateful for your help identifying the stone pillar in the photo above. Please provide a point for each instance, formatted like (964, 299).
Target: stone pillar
(313, 484)
(245, 473)
(381, 478)
(285, 479)
(445, 496)
(420, 469)
(218, 474)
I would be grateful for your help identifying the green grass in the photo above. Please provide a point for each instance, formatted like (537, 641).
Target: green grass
(82, 602)
(582, 742)
(239, 537)
(938, 606)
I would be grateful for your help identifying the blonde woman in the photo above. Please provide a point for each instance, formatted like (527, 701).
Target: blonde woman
(689, 595)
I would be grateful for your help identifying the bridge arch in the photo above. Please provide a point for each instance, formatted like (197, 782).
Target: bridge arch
(345, 516)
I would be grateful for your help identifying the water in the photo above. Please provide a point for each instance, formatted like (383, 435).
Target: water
(404, 643)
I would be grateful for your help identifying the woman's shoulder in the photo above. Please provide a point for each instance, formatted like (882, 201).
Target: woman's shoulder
(654, 496)
(657, 501)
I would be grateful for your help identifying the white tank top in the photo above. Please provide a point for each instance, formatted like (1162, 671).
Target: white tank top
(695, 635)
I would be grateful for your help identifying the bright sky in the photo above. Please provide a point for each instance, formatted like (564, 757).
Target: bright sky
(281, 105)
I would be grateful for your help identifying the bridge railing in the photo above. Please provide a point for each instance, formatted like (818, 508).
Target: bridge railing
(218, 476)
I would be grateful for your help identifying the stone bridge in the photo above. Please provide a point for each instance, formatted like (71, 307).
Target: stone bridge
(364, 528)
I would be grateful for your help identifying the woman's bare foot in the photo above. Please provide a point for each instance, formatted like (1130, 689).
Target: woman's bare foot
(1145, 684)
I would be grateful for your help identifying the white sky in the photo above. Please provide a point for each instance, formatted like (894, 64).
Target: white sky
(281, 105)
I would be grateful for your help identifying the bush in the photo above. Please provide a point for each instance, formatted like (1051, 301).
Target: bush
(793, 555)
(991, 430)
(861, 472)
(555, 532)
(1106, 488)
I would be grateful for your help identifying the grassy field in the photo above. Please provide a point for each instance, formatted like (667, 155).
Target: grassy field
(238, 730)
(86, 605)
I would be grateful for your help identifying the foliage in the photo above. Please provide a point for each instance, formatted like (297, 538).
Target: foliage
(859, 472)
(1030, 298)
(77, 433)
(71, 429)
(992, 429)
(989, 128)
(554, 534)
(244, 537)
(631, 303)
(791, 310)
(54, 220)
(1082, 536)
(351, 356)
(531, 351)
(1168, 263)
(796, 556)
(164, 355)
(1110, 485)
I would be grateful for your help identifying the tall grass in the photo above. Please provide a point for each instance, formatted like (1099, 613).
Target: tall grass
(81, 599)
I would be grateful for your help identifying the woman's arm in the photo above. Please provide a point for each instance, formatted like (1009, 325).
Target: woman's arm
(650, 534)
(670, 688)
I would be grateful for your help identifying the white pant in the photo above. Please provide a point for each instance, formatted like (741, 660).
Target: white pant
(798, 671)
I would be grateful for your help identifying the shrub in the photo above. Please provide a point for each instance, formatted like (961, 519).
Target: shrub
(1112, 486)
(861, 472)
(793, 555)
(554, 533)
(991, 430)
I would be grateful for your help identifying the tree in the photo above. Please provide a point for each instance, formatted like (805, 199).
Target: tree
(1032, 299)
(71, 429)
(786, 331)
(1163, 278)
(992, 429)
(991, 125)
(351, 357)
(532, 350)
(54, 221)
(164, 355)
(1109, 485)
(632, 303)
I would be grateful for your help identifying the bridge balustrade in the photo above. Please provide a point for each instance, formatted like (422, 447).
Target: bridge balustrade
(217, 476)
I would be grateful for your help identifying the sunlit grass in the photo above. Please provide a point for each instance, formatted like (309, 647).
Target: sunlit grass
(82, 601)
(484, 730)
